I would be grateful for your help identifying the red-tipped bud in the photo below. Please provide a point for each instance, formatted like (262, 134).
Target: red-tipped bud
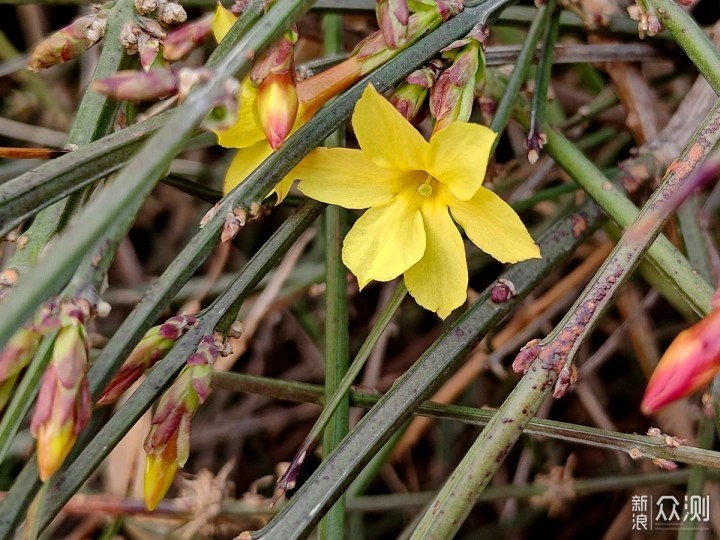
(393, 17)
(168, 443)
(449, 8)
(691, 362)
(138, 85)
(276, 106)
(409, 97)
(63, 406)
(452, 97)
(152, 348)
(14, 357)
(180, 42)
(150, 53)
(278, 59)
(69, 42)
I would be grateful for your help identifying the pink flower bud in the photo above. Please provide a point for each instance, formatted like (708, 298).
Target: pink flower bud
(131, 85)
(152, 348)
(65, 44)
(449, 8)
(181, 41)
(276, 106)
(63, 406)
(691, 362)
(168, 443)
(392, 17)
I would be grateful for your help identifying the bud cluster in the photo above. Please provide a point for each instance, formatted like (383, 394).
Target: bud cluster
(152, 348)
(452, 96)
(63, 405)
(168, 443)
(410, 97)
(69, 42)
(648, 22)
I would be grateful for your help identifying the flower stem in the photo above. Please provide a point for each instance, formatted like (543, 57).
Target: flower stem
(519, 74)
(558, 350)
(536, 138)
(336, 312)
(691, 38)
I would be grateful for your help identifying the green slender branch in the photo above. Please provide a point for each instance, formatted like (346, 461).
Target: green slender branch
(691, 38)
(698, 475)
(536, 137)
(95, 119)
(336, 398)
(664, 256)
(519, 74)
(455, 500)
(68, 481)
(319, 493)
(635, 445)
(549, 362)
(336, 312)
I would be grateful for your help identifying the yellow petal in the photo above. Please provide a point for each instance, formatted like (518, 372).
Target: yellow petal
(53, 445)
(493, 226)
(439, 281)
(385, 136)
(246, 131)
(160, 471)
(347, 178)
(246, 160)
(458, 157)
(222, 22)
(386, 240)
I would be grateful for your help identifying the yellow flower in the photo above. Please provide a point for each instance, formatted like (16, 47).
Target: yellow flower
(246, 134)
(414, 189)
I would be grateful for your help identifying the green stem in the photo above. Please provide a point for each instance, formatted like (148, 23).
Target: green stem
(307, 506)
(691, 38)
(636, 445)
(95, 119)
(698, 475)
(536, 137)
(669, 262)
(453, 503)
(336, 313)
(519, 74)
(552, 359)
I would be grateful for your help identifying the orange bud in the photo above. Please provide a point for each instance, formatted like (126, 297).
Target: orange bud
(691, 362)
(276, 106)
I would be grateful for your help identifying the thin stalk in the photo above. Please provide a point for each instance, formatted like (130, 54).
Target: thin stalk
(698, 475)
(581, 487)
(549, 362)
(691, 38)
(332, 477)
(519, 75)
(693, 237)
(214, 317)
(455, 500)
(124, 197)
(95, 119)
(638, 446)
(287, 481)
(336, 312)
(536, 137)
(664, 256)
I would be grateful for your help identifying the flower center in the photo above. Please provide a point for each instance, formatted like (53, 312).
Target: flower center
(425, 189)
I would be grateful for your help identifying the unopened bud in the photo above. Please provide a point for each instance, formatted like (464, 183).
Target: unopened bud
(152, 348)
(65, 44)
(168, 443)
(409, 100)
(181, 41)
(15, 357)
(277, 107)
(129, 38)
(392, 17)
(137, 85)
(63, 404)
(277, 60)
(150, 52)
(452, 97)
(449, 8)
